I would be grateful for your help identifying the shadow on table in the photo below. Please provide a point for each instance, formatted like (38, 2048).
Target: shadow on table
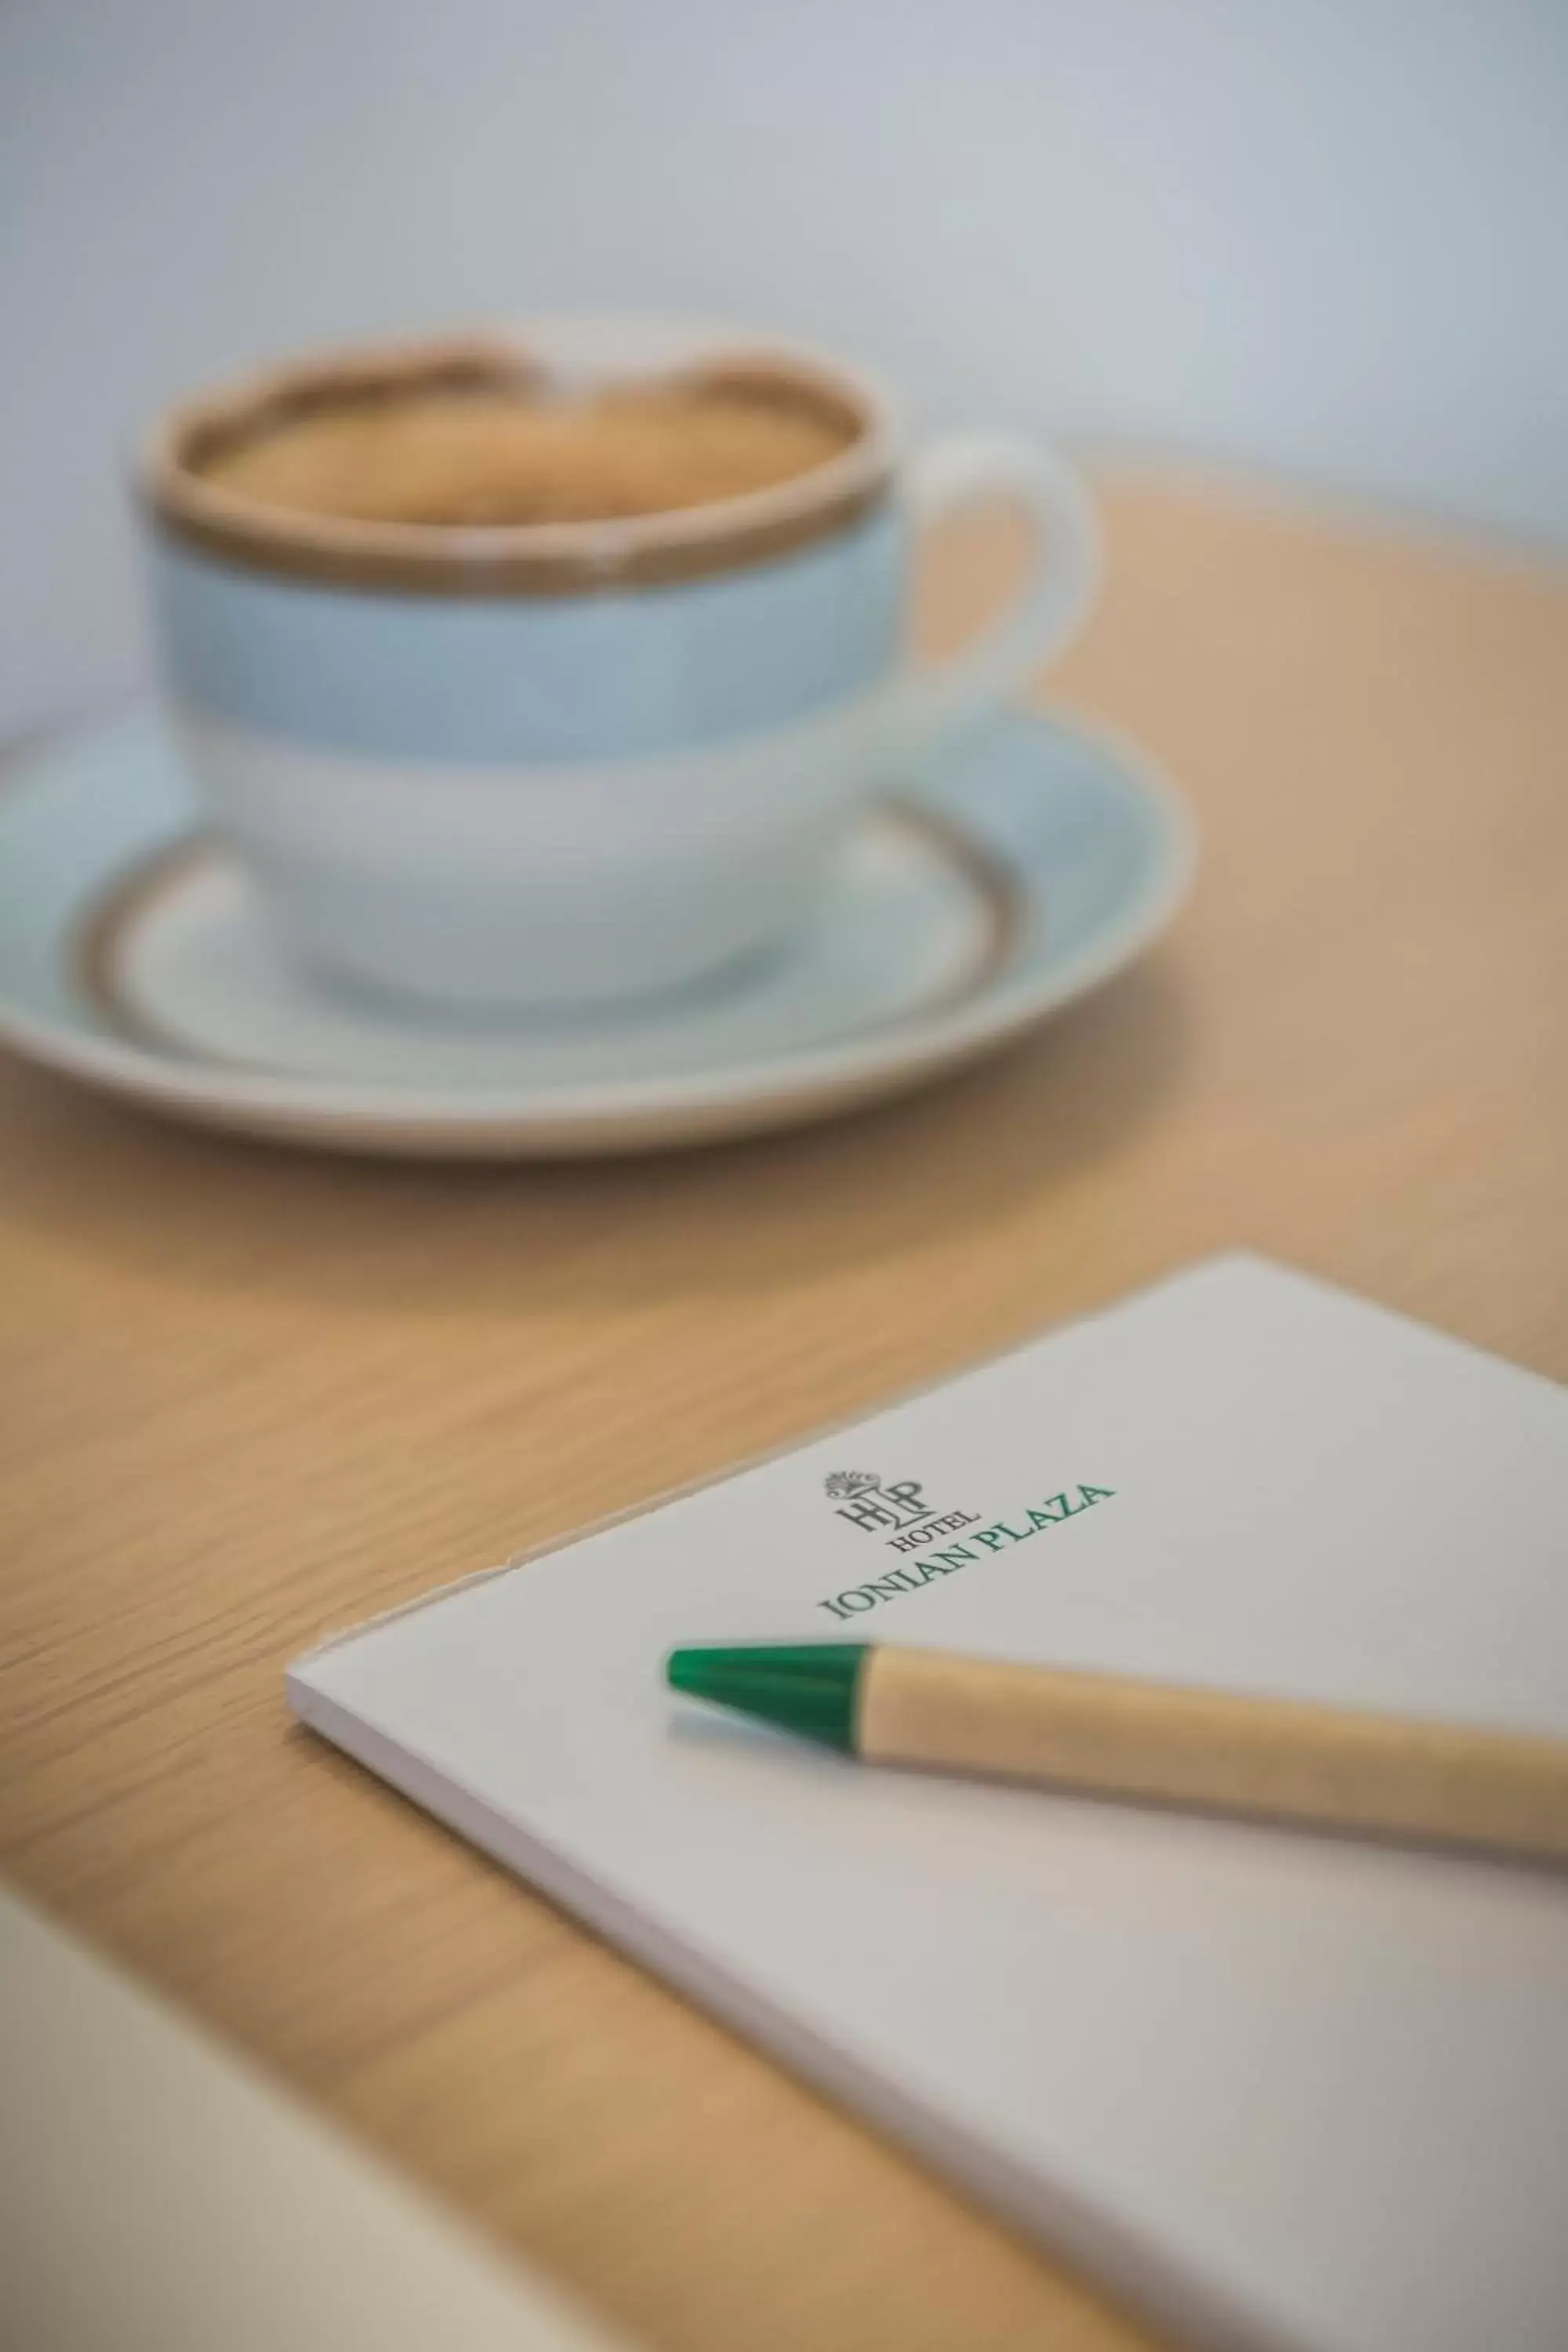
(210, 1211)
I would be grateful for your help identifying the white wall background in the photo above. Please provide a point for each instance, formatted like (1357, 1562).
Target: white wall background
(1325, 235)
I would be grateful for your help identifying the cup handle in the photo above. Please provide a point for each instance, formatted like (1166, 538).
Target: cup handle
(941, 699)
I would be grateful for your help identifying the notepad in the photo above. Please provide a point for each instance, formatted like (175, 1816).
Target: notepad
(1277, 2089)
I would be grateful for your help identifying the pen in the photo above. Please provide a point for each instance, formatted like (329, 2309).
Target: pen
(1109, 1735)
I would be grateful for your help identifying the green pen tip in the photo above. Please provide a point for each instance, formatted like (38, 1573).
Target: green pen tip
(809, 1687)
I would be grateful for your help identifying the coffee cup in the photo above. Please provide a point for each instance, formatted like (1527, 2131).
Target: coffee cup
(562, 762)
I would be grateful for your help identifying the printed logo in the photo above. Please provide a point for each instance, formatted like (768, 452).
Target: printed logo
(875, 1507)
(897, 1513)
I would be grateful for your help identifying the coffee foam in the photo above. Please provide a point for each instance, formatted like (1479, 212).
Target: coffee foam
(507, 453)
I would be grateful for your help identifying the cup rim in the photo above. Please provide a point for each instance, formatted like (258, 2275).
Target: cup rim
(518, 559)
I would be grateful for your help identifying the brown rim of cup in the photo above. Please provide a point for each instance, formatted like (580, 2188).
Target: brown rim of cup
(511, 559)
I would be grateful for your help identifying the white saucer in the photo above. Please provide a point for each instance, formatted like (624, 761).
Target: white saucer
(132, 954)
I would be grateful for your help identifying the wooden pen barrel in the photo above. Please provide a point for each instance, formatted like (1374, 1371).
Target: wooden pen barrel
(1332, 1767)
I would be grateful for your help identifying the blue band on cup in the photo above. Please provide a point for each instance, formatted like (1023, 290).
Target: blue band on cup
(537, 679)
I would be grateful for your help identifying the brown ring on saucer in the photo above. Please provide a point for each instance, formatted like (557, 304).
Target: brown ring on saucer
(501, 560)
(94, 948)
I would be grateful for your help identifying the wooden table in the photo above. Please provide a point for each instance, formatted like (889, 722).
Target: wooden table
(251, 1396)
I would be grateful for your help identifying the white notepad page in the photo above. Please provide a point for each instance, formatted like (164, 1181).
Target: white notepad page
(1281, 2089)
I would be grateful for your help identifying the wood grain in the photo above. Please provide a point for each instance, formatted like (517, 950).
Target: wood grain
(251, 1396)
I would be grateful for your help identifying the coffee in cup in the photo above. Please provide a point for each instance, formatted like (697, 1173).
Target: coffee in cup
(501, 453)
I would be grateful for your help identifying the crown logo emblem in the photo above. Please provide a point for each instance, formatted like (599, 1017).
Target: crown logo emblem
(843, 1485)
